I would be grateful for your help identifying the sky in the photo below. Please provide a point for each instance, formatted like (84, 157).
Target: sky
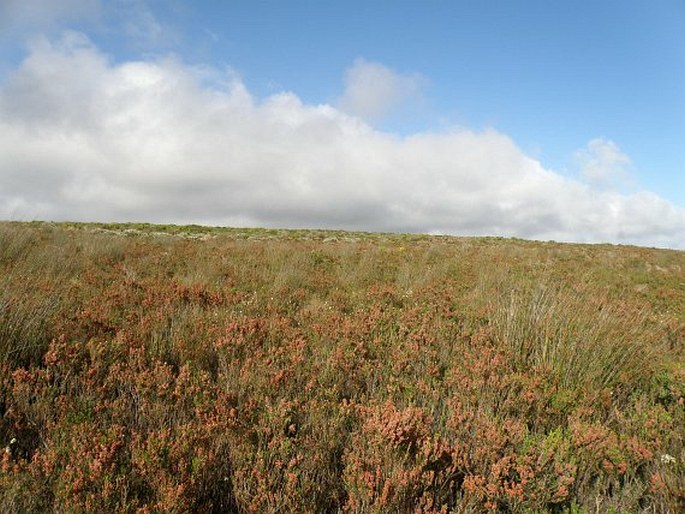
(548, 120)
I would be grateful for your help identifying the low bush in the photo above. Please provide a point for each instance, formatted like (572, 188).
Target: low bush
(244, 371)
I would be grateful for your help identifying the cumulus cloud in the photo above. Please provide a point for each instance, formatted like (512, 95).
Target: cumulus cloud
(32, 14)
(142, 27)
(133, 19)
(603, 164)
(157, 141)
(373, 90)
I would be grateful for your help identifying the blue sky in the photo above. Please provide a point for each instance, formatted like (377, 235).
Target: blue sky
(532, 98)
(552, 75)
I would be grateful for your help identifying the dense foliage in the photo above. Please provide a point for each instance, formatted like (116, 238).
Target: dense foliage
(169, 369)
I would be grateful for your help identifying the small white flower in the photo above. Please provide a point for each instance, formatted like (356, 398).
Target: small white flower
(667, 459)
(14, 440)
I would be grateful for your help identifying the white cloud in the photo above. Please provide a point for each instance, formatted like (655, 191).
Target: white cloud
(373, 90)
(40, 14)
(156, 141)
(134, 19)
(142, 27)
(603, 163)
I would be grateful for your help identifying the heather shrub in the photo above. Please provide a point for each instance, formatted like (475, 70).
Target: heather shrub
(184, 369)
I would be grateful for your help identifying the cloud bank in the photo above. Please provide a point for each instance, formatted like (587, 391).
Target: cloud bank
(82, 138)
(603, 164)
(42, 14)
(373, 90)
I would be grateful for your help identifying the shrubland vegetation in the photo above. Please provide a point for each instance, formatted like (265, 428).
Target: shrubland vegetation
(186, 369)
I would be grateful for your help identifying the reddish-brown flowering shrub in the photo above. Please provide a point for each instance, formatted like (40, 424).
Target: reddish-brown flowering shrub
(145, 371)
(395, 463)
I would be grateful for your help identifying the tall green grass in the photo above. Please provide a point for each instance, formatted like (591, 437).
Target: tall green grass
(588, 342)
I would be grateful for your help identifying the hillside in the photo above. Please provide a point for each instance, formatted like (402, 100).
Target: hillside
(154, 368)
